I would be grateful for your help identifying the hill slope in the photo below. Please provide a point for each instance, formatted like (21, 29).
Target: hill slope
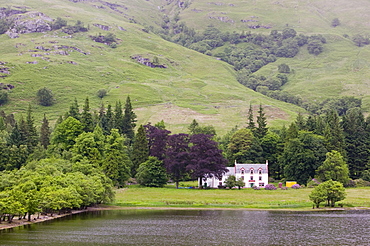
(193, 85)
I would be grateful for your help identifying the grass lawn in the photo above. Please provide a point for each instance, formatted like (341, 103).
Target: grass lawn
(214, 198)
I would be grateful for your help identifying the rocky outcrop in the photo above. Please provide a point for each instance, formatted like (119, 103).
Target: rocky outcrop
(103, 27)
(29, 23)
(6, 86)
(147, 62)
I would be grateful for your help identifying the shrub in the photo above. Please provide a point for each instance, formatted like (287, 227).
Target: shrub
(361, 183)
(255, 187)
(296, 186)
(3, 97)
(45, 97)
(101, 93)
(270, 187)
(313, 183)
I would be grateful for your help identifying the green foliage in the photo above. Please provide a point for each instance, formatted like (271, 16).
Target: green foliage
(110, 38)
(230, 182)
(335, 22)
(333, 168)
(239, 145)
(65, 133)
(140, 149)
(58, 23)
(101, 93)
(78, 27)
(151, 173)
(329, 191)
(283, 68)
(360, 40)
(3, 97)
(240, 183)
(45, 97)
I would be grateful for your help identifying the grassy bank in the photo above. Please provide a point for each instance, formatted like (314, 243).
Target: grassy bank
(246, 198)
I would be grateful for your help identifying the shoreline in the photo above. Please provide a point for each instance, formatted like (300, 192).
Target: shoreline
(24, 222)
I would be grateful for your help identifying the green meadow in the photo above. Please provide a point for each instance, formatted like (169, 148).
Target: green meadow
(220, 198)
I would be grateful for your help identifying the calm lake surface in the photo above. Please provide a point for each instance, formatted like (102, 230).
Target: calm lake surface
(197, 227)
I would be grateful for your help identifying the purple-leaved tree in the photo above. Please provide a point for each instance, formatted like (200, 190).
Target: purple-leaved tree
(206, 159)
(157, 141)
(177, 156)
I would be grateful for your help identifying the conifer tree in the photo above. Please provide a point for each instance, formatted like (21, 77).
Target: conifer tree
(193, 126)
(118, 117)
(129, 119)
(15, 137)
(86, 118)
(251, 124)
(140, 150)
(333, 133)
(32, 136)
(74, 111)
(45, 133)
(110, 118)
(103, 122)
(261, 129)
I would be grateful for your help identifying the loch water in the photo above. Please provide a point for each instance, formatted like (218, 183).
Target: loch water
(197, 227)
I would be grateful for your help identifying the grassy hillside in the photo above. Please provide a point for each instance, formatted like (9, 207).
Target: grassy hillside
(341, 70)
(193, 86)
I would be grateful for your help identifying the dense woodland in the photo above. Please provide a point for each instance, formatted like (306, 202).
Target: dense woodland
(78, 161)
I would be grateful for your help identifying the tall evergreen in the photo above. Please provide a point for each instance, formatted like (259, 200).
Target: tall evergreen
(103, 122)
(15, 137)
(45, 133)
(118, 117)
(2, 124)
(356, 141)
(251, 124)
(300, 122)
(129, 120)
(333, 133)
(32, 137)
(86, 118)
(140, 150)
(261, 129)
(74, 111)
(110, 118)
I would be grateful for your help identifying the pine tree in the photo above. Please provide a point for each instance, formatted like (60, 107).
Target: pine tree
(193, 126)
(45, 133)
(261, 129)
(251, 124)
(103, 122)
(129, 119)
(118, 117)
(300, 123)
(15, 137)
(110, 118)
(140, 150)
(74, 111)
(86, 117)
(333, 133)
(32, 136)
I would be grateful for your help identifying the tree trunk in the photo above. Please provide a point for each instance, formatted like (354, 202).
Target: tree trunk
(177, 184)
(29, 216)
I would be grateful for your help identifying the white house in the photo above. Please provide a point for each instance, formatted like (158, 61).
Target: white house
(251, 174)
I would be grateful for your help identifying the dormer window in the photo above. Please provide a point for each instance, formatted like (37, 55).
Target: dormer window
(251, 171)
(260, 172)
(242, 171)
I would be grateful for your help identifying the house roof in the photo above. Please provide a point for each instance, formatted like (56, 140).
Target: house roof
(247, 167)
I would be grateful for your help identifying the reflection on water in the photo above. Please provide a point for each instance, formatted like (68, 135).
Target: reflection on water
(197, 227)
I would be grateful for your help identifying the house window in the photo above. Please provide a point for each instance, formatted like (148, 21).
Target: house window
(260, 178)
(260, 171)
(251, 171)
(261, 184)
(252, 178)
(242, 177)
(242, 171)
(220, 183)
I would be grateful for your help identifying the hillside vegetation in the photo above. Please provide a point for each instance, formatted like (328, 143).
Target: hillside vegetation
(193, 85)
